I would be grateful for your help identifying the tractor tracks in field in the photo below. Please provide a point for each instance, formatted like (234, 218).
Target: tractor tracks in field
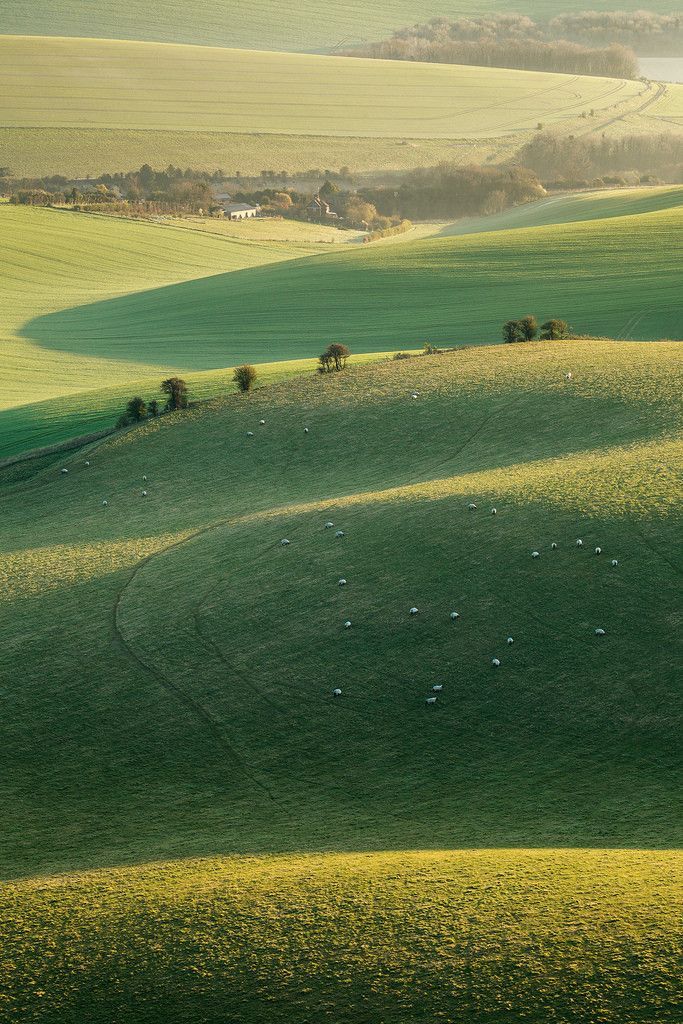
(659, 92)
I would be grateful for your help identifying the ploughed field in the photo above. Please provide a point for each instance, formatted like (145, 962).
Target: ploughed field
(197, 828)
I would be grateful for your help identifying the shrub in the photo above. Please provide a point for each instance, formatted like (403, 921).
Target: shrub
(553, 330)
(244, 377)
(176, 389)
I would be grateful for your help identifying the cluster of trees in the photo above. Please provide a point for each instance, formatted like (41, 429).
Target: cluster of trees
(526, 329)
(503, 40)
(450, 190)
(334, 358)
(137, 409)
(642, 29)
(572, 160)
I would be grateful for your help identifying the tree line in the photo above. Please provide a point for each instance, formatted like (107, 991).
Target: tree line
(527, 329)
(578, 160)
(503, 40)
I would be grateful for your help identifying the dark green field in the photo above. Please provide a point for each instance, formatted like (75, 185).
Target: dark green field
(169, 697)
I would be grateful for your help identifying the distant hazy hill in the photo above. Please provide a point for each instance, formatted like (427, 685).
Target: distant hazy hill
(266, 24)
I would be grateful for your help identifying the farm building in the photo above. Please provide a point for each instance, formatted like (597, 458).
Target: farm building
(240, 211)
(318, 209)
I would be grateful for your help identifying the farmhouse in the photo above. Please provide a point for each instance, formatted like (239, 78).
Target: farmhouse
(318, 209)
(240, 211)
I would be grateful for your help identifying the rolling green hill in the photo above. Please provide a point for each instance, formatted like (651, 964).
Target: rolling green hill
(84, 319)
(500, 855)
(577, 206)
(263, 24)
(102, 105)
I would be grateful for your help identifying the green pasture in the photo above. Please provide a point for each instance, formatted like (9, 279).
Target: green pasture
(264, 24)
(502, 854)
(94, 307)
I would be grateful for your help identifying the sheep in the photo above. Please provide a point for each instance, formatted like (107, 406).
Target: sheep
(347, 624)
(553, 546)
(495, 662)
(494, 511)
(144, 494)
(579, 543)
(415, 394)
(261, 423)
(284, 542)
(86, 463)
(455, 615)
(336, 692)
(437, 688)
(431, 700)
(535, 554)
(144, 479)
(472, 507)
(598, 551)
(328, 526)
(414, 611)
(568, 376)
(65, 471)
(510, 640)
(339, 533)
(600, 632)
(250, 433)
(305, 430)
(105, 503)
(614, 563)
(342, 583)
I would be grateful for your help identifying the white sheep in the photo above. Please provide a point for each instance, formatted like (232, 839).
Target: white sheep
(347, 624)
(598, 551)
(339, 533)
(261, 423)
(494, 511)
(250, 433)
(600, 632)
(305, 430)
(535, 554)
(495, 662)
(553, 546)
(284, 542)
(144, 479)
(455, 615)
(65, 471)
(144, 494)
(105, 503)
(415, 394)
(414, 611)
(568, 376)
(437, 688)
(510, 640)
(431, 700)
(472, 507)
(337, 692)
(614, 563)
(328, 526)
(342, 583)
(579, 543)
(86, 463)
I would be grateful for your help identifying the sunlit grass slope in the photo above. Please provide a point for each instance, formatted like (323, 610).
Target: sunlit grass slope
(263, 24)
(168, 695)
(483, 936)
(87, 83)
(616, 277)
(55, 260)
(578, 206)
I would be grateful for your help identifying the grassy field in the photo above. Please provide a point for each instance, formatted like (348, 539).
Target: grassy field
(498, 856)
(86, 83)
(600, 204)
(95, 306)
(263, 24)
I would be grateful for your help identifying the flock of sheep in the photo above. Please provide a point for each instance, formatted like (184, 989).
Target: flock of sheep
(454, 615)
